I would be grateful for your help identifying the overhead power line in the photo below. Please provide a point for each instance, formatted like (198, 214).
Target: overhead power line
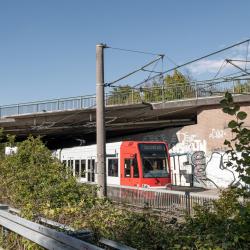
(135, 51)
(133, 72)
(192, 61)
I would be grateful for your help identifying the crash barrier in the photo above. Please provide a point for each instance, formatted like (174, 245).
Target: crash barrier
(49, 238)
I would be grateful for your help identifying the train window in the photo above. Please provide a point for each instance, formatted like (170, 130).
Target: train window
(83, 168)
(127, 167)
(136, 170)
(91, 170)
(113, 167)
(77, 168)
(154, 160)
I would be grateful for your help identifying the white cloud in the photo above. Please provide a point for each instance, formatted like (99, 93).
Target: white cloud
(212, 66)
(205, 66)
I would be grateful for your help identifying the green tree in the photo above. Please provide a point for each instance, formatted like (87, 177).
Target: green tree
(242, 86)
(32, 179)
(176, 78)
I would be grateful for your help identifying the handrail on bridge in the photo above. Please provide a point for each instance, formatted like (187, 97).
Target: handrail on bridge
(131, 96)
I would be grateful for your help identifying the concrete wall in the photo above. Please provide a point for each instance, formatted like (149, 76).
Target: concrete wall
(197, 151)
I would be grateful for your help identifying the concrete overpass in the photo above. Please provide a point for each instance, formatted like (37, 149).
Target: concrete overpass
(67, 122)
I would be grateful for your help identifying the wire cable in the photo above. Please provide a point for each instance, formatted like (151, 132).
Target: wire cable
(195, 60)
(221, 68)
(133, 72)
(135, 51)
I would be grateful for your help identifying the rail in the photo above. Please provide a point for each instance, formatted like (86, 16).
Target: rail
(49, 238)
(174, 202)
(128, 96)
(41, 235)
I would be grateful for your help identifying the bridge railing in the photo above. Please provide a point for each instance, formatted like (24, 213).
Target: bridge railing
(129, 96)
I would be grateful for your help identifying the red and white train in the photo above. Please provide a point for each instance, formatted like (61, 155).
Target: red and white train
(129, 163)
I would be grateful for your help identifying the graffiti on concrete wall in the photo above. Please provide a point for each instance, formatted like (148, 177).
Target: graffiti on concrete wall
(198, 161)
(205, 171)
(217, 134)
(218, 173)
(189, 143)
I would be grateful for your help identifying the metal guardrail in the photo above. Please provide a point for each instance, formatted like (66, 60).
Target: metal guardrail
(41, 235)
(131, 96)
(71, 236)
(159, 199)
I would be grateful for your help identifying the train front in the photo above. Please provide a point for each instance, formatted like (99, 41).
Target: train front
(145, 164)
(154, 161)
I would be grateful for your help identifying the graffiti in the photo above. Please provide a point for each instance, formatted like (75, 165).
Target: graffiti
(198, 160)
(181, 169)
(217, 134)
(218, 173)
(200, 170)
(189, 143)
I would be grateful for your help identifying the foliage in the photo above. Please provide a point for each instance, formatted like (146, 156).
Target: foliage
(31, 179)
(176, 78)
(239, 146)
(174, 86)
(242, 86)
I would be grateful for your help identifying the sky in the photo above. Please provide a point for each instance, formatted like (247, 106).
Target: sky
(47, 47)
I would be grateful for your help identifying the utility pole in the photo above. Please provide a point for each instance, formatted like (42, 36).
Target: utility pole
(100, 123)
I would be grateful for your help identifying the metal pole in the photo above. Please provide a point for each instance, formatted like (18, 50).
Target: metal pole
(100, 123)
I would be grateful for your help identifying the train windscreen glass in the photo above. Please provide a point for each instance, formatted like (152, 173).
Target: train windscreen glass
(154, 160)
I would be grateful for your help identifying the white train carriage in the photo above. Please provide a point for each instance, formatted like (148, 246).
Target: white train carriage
(130, 163)
(82, 162)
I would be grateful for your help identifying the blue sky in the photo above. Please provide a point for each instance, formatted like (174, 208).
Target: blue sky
(47, 47)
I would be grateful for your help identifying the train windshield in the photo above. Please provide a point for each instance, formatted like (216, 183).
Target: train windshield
(154, 160)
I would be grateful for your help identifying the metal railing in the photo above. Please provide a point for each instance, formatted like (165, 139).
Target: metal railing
(48, 238)
(128, 96)
(176, 202)
(39, 234)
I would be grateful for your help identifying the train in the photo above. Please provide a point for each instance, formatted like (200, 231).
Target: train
(128, 163)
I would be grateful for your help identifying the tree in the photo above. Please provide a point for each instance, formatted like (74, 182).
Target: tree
(177, 86)
(176, 78)
(32, 179)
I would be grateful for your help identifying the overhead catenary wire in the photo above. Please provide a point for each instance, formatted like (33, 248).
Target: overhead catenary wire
(192, 61)
(135, 51)
(223, 65)
(133, 72)
(214, 81)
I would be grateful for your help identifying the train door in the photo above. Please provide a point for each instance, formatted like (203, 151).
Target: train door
(130, 171)
(91, 170)
(112, 173)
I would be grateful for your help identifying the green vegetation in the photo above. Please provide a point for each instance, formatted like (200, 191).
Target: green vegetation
(39, 185)
(242, 87)
(175, 86)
